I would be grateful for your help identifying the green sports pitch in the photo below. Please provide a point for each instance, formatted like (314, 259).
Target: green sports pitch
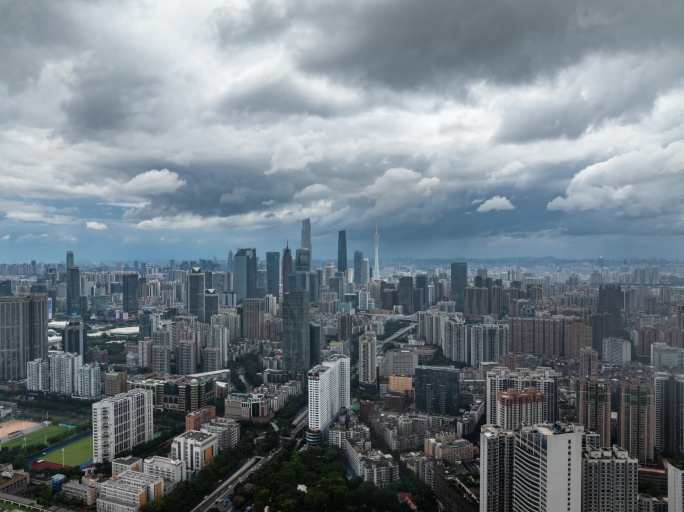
(76, 453)
(37, 437)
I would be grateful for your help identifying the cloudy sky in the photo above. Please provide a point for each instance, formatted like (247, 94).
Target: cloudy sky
(141, 129)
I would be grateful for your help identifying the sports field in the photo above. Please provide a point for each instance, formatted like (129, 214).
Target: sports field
(36, 437)
(77, 453)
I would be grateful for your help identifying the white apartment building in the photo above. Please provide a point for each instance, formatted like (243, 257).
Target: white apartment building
(328, 391)
(121, 422)
(63, 366)
(89, 382)
(547, 469)
(38, 375)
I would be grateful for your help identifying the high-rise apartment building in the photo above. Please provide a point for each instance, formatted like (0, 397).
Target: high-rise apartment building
(668, 391)
(459, 283)
(496, 469)
(376, 254)
(637, 419)
(609, 481)
(675, 486)
(295, 340)
(588, 362)
(120, 423)
(23, 333)
(593, 408)
(515, 408)
(329, 392)
(616, 351)
(367, 358)
(63, 368)
(547, 469)
(38, 375)
(502, 379)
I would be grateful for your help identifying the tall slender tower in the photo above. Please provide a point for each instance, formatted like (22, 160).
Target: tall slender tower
(376, 254)
(306, 234)
(342, 252)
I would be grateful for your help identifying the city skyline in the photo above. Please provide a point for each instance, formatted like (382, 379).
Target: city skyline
(227, 128)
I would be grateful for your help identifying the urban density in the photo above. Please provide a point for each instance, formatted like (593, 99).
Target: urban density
(341, 256)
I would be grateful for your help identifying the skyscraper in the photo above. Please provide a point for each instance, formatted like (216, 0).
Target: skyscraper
(120, 423)
(459, 283)
(669, 414)
(544, 379)
(73, 291)
(69, 259)
(360, 274)
(342, 252)
(516, 408)
(367, 358)
(195, 293)
(287, 267)
(23, 333)
(73, 339)
(593, 408)
(273, 273)
(637, 419)
(252, 320)
(496, 469)
(329, 391)
(129, 283)
(295, 341)
(376, 254)
(245, 274)
(609, 481)
(437, 389)
(547, 469)
(405, 295)
(303, 260)
(306, 235)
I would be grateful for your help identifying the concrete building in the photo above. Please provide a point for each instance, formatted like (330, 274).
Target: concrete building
(63, 367)
(120, 423)
(329, 392)
(367, 358)
(515, 408)
(616, 351)
(609, 481)
(23, 334)
(437, 389)
(544, 379)
(593, 407)
(496, 469)
(547, 469)
(637, 419)
(38, 375)
(195, 449)
(172, 471)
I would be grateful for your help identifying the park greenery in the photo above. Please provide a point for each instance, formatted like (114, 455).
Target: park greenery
(322, 471)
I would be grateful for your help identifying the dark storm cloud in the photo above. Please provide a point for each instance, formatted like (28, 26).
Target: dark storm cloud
(440, 120)
(406, 44)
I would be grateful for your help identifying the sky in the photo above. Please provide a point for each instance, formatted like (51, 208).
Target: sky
(146, 129)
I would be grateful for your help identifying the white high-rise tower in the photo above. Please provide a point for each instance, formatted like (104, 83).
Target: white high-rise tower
(376, 254)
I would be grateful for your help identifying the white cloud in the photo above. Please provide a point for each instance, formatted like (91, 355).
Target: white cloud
(496, 204)
(96, 226)
(5, 237)
(153, 182)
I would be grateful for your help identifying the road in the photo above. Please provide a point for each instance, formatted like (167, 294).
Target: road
(396, 335)
(216, 498)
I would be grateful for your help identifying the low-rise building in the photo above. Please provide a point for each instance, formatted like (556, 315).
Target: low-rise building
(195, 449)
(80, 492)
(172, 471)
